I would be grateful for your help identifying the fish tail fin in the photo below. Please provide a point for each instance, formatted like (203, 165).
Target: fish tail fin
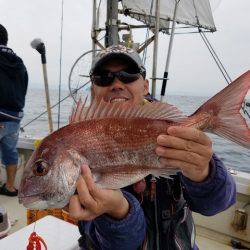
(225, 107)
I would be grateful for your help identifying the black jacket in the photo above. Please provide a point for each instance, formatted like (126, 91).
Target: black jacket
(13, 81)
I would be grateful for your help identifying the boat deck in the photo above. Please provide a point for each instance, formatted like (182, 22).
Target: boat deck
(16, 212)
(208, 244)
(17, 216)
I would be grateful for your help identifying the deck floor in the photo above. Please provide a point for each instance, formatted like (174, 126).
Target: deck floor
(15, 211)
(17, 215)
(208, 244)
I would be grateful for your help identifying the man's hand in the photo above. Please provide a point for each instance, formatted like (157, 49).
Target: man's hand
(188, 149)
(91, 201)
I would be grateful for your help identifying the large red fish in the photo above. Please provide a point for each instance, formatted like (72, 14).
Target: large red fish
(119, 145)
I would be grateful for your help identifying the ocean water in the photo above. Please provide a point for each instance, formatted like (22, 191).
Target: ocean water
(234, 156)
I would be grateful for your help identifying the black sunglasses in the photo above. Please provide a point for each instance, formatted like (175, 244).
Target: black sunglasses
(106, 78)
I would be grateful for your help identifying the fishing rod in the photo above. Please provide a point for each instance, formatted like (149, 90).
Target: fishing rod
(38, 45)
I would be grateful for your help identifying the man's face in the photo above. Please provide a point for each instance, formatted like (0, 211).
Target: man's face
(130, 93)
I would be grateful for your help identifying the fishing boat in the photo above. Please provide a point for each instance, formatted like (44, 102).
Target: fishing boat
(226, 230)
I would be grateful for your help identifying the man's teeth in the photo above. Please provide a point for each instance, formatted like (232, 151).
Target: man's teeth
(118, 100)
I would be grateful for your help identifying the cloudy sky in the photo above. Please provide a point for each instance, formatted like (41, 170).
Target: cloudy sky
(192, 69)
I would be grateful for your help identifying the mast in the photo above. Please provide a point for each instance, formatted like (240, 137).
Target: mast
(112, 37)
(170, 47)
(155, 53)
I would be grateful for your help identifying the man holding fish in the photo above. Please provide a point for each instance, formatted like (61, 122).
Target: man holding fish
(116, 219)
(139, 168)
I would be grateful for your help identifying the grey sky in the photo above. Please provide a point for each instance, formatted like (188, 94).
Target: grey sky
(192, 69)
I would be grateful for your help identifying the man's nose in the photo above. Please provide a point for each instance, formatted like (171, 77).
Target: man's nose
(117, 84)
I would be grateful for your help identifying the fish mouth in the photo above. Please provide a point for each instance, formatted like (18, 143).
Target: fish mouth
(35, 202)
(28, 199)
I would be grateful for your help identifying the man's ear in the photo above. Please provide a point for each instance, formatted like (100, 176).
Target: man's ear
(92, 91)
(146, 87)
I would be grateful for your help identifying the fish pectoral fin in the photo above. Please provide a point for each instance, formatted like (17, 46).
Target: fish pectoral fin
(119, 179)
(122, 178)
(164, 172)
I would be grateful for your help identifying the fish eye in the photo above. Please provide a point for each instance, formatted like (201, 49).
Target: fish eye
(40, 168)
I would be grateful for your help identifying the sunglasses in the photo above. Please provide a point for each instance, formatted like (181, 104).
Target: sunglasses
(106, 78)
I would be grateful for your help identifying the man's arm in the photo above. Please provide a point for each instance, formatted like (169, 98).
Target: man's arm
(107, 233)
(213, 195)
(109, 219)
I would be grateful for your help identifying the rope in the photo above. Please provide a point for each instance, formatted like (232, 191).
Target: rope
(214, 57)
(219, 64)
(98, 8)
(60, 73)
(189, 32)
(145, 51)
(222, 66)
(144, 56)
(98, 15)
(44, 112)
(211, 50)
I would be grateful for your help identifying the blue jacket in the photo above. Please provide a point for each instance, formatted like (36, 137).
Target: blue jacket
(13, 85)
(215, 194)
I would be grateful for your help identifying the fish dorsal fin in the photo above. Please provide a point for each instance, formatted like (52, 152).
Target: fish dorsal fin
(102, 109)
(78, 111)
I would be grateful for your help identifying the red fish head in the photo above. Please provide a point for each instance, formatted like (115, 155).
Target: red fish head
(49, 176)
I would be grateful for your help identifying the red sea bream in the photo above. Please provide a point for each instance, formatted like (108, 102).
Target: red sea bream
(119, 145)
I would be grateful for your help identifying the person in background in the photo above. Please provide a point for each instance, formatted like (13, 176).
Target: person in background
(13, 88)
(154, 213)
